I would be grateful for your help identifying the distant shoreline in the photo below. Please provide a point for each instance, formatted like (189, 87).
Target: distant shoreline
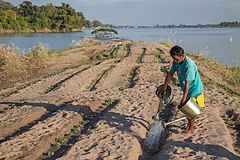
(38, 31)
(170, 27)
(120, 27)
(235, 24)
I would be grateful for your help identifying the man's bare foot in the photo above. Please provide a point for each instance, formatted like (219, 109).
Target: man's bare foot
(187, 128)
(189, 131)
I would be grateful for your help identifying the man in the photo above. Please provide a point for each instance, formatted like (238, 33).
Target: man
(189, 79)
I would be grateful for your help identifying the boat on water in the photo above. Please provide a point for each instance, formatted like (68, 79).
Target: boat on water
(105, 33)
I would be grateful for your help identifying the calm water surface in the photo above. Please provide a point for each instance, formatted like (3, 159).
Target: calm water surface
(220, 44)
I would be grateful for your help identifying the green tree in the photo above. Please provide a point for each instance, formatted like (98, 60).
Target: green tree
(25, 9)
(97, 23)
(8, 20)
(88, 24)
(34, 18)
(6, 5)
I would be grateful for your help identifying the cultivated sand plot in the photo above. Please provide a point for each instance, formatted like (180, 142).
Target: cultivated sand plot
(117, 130)
(18, 117)
(41, 87)
(31, 144)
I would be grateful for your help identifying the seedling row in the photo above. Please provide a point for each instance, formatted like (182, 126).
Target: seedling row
(54, 86)
(63, 144)
(139, 60)
(131, 77)
(95, 81)
(159, 54)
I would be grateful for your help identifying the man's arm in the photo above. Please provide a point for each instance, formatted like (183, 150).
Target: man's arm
(185, 92)
(167, 80)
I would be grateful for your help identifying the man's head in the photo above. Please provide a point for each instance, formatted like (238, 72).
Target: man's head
(177, 54)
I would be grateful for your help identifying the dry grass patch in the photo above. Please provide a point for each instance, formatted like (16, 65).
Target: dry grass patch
(167, 43)
(229, 79)
(86, 43)
(17, 66)
(8, 58)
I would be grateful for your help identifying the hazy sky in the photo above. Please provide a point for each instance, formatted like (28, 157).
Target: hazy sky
(152, 12)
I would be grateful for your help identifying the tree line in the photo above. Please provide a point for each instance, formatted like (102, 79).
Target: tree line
(32, 18)
(234, 24)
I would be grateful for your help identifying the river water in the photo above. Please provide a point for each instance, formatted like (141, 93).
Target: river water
(222, 44)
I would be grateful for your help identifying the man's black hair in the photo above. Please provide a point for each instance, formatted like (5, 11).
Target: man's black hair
(177, 50)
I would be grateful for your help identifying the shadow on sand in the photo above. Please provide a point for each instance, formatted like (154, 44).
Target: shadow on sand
(124, 123)
(51, 108)
(116, 120)
(216, 151)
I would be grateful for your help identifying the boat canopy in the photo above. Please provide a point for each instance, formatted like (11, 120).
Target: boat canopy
(104, 30)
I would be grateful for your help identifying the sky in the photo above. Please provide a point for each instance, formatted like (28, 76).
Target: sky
(152, 12)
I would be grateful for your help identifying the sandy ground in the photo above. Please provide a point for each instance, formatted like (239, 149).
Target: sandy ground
(33, 118)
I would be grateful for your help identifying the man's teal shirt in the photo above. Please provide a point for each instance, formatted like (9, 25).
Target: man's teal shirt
(188, 70)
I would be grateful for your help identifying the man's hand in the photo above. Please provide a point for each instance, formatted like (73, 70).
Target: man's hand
(183, 101)
(163, 90)
(165, 85)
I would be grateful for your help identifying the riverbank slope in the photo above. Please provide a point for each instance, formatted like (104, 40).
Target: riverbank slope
(96, 102)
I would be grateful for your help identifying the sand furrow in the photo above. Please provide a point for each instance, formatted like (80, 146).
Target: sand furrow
(79, 83)
(32, 144)
(150, 73)
(18, 117)
(39, 88)
(117, 76)
(119, 132)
